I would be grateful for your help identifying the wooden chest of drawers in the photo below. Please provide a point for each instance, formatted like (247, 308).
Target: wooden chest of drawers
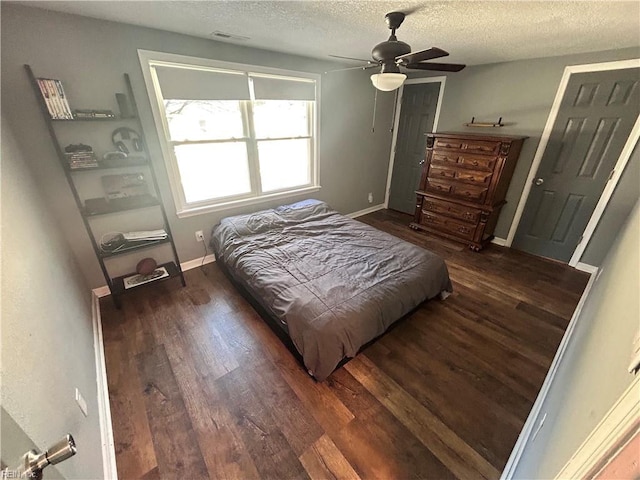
(464, 182)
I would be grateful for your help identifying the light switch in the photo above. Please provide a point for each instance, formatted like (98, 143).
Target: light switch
(82, 403)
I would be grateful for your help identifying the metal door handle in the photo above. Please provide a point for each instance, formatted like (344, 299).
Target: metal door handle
(62, 450)
(33, 463)
(421, 162)
(539, 181)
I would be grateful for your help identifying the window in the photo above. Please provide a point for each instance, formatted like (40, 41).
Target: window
(232, 134)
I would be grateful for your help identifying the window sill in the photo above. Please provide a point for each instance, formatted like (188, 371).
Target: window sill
(191, 212)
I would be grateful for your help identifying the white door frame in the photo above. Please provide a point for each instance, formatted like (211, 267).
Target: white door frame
(398, 106)
(544, 139)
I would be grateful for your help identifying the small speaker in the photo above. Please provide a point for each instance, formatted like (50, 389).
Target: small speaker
(123, 105)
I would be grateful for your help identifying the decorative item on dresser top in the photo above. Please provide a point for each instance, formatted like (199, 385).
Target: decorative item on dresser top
(464, 182)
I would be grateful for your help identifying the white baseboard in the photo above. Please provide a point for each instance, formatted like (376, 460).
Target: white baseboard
(196, 262)
(104, 408)
(359, 213)
(585, 267)
(102, 291)
(499, 241)
(527, 433)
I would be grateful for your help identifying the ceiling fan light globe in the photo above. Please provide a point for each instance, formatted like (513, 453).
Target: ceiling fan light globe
(388, 82)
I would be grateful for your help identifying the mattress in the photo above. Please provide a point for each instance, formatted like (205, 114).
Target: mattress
(333, 283)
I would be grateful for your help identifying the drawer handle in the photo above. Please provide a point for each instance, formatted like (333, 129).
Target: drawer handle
(475, 163)
(468, 194)
(463, 229)
(468, 215)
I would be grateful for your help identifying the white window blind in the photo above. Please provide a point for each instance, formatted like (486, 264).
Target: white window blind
(273, 88)
(185, 83)
(232, 135)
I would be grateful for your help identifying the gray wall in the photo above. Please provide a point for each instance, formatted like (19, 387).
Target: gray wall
(90, 56)
(47, 333)
(593, 373)
(522, 93)
(620, 205)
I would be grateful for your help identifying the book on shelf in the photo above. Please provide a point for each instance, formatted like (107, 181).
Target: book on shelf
(55, 99)
(63, 99)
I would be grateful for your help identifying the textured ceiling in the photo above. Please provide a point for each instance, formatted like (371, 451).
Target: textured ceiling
(474, 32)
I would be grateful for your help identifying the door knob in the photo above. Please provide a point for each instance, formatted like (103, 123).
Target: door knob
(421, 162)
(539, 181)
(33, 463)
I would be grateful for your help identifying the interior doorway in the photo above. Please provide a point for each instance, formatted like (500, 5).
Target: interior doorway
(588, 138)
(417, 112)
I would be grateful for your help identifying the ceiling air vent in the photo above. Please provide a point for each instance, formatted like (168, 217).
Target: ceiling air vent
(228, 36)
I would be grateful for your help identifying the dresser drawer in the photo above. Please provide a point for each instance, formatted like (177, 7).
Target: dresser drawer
(486, 147)
(460, 212)
(470, 193)
(439, 187)
(447, 224)
(478, 162)
(436, 172)
(481, 178)
(450, 172)
(445, 158)
(448, 143)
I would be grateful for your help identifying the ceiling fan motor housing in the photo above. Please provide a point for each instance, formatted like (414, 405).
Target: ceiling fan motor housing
(387, 51)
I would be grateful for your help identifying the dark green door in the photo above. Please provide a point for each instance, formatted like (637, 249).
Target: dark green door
(596, 116)
(417, 113)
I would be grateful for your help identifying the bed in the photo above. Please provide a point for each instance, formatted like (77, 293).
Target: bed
(327, 282)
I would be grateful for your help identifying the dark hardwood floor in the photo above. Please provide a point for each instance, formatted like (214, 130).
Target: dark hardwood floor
(200, 386)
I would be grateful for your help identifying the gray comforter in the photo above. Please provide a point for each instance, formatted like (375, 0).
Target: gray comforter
(334, 283)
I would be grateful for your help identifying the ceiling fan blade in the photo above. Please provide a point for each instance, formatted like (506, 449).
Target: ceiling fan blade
(439, 67)
(409, 11)
(415, 57)
(364, 67)
(351, 58)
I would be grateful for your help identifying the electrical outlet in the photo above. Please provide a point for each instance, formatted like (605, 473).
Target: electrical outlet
(200, 236)
(82, 403)
(370, 197)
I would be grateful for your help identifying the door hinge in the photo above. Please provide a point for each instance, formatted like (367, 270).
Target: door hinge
(611, 174)
(580, 241)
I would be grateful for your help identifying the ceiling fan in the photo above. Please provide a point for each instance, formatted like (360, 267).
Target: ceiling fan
(393, 54)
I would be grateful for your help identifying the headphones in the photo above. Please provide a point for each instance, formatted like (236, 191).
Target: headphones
(122, 136)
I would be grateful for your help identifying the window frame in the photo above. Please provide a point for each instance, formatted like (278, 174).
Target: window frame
(150, 59)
